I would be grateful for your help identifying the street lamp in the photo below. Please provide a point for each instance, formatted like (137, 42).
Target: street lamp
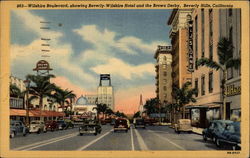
(27, 85)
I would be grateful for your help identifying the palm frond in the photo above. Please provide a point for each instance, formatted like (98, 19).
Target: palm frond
(209, 63)
(235, 63)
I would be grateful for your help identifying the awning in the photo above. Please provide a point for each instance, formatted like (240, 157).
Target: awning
(203, 106)
(35, 113)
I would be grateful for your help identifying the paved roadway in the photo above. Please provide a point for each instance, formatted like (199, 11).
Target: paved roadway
(151, 138)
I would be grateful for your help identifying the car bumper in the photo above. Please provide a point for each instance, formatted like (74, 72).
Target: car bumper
(85, 132)
(120, 129)
(33, 130)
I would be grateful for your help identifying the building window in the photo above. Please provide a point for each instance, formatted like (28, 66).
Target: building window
(203, 34)
(230, 12)
(196, 87)
(211, 51)
(203, 85)
(164, 88)
(231, 34)
(229, 73)
(210, 82)
(165, 73)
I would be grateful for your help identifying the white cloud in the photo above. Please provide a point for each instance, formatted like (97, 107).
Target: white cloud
(118, 67)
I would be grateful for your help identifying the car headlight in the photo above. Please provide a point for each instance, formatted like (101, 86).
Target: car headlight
(80, 127)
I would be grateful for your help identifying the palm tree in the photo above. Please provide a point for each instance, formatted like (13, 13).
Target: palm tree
(15, 91)
(63, 96)
(184, 95)
(137, 114)
(40, 88)
(226, 61)
(109, 111)
(101, 108)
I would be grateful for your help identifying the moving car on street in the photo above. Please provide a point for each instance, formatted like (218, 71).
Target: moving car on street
(16, 128)
(121, 125)
(61, 124)
(37, 126)
(216, 127)
(51, 125)
(230, 136)
(183, 125)
(140, 123)
(92, 127)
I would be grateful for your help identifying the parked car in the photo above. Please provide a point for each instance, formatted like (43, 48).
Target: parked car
(37, 126)
(183, 125)
(108, 120)
(69, 124)
(61, 124)
(140, 123)
(90, 127)
(17, 127)
(51, 125)
(215, 128)
(230, 136)
(121, 125)
(150, 121)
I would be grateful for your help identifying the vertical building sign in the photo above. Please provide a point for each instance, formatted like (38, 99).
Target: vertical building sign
(190, 47)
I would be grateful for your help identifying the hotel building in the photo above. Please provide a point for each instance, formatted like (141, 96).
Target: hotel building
(209, 26)
(163, 71)
(179, 35)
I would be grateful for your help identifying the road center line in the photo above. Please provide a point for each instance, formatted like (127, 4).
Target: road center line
(132, 140)
(142, 144)
(45, 142)
(178, 146)
(93, 141)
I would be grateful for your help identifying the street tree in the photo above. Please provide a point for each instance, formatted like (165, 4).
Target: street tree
(225, 61)
(184, 96)
(40, 88)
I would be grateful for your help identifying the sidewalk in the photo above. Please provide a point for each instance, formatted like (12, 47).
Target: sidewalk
(197, 130)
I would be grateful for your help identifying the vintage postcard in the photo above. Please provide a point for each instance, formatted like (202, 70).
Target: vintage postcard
(124, 78)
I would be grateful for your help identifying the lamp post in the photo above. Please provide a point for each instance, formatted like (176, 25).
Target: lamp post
(27, 85)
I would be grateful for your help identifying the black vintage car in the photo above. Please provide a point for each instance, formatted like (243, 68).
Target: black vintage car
(140, 123)
(215, 128)
(92, 127)
(230, 136)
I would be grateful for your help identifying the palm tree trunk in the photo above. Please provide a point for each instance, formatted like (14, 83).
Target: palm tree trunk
(40, 106)
(224, 95)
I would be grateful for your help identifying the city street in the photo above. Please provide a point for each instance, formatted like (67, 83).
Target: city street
(151, 138)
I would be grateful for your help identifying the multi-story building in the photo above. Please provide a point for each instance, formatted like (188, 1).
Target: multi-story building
(105, 92)
(18, 105)
(179, 35)
(91, 98)
(209, 26)
(163, 74)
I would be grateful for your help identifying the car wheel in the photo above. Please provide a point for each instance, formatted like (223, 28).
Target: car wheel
(24, 134)
(126, 131)
(95, 133)
(114, 130)
(81, 134)
(44, 131)
(204, 137)
(144, 127)
(38, 132)
(217, 142)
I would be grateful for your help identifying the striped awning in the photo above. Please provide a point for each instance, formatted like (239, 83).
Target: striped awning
(35, 113)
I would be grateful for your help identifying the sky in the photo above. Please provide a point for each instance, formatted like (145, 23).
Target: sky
(86, 43)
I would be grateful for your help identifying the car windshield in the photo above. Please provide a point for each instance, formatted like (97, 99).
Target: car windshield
(60, 121)
(233, 128)
(34, 123)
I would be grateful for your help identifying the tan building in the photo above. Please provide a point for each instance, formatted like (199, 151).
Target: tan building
(209, 25)
(179, 35)
(106, 96)
(163, 73)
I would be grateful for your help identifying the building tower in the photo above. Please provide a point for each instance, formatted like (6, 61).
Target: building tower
(141, 109)
(105, 93)
(163, 74)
